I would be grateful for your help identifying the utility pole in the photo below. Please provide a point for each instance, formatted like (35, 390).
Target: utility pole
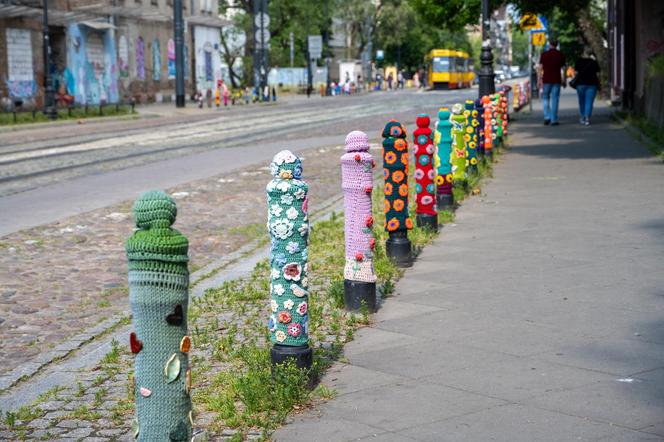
(487, 85)
(49, 94)
(178, 29)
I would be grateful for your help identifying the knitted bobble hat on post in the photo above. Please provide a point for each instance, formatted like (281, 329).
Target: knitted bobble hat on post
(395, 168)
(425, 187)
(288, 225)
(458, 157)
(357, 184)
(158, 295)
(443, 142)
(471, 135)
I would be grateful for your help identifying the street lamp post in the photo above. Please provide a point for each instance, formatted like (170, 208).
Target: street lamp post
(487, 85)
(178, 25)
(49, 93)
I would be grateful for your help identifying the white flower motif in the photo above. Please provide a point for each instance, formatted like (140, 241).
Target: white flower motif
(288, 304)
(292, 212)
(287, 199)
(281, 228)
(280, 336)
(271, 185)
(278, 288)
(299, 194)
(273, 305)
(275, 275)
(305, 269)
(276, 209)
(292, 247)
(283, 186)
(304, 229)
(285, 156)
(305, 282)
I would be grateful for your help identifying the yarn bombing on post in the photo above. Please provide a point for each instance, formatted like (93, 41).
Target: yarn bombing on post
(488, 126)
(288, 226)
(471, 135)
(395, 164)
(357, 184)
(459, 154)
(158, 295)
(443, 141)
(479, 129)
(425, 188)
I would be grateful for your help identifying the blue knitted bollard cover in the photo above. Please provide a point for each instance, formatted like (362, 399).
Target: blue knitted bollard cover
(288, 225)
(158, 295)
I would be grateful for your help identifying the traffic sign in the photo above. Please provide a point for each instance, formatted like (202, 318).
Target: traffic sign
(315, 46)
(262, 19)
(539, 38)
(531, 22)
(262, 36)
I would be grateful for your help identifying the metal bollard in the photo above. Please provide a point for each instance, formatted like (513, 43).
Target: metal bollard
(425, 188)
(357, 184)
(288, 226)
(397, 221)
(158, 294)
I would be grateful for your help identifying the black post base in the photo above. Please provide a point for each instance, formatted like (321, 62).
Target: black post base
(302, 355)
(426, 221)
(444, 201)
(398, 248)
(359, 294)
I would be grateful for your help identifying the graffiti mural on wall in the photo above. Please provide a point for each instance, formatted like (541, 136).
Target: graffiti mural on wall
(123, 57)
(171, 59)
(91, 61)
(20, 79)
(140, 58)
(156, 60)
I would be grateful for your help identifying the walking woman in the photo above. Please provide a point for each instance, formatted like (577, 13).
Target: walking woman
(586, 82)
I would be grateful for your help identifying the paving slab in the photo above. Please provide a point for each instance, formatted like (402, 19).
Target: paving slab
(535, 316)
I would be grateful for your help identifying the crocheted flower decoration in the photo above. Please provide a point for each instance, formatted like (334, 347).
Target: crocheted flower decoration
(286, 165)
(292, 271)
(281, 228)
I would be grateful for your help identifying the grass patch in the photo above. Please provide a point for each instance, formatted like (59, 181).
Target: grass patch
(645, 131)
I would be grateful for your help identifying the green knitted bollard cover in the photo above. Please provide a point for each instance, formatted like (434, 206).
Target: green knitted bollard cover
(459, 153)
(158, 294)
(288, 224)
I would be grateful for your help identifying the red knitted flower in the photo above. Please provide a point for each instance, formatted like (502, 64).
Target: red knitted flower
(358, 157)
(368, 189)
(284, 317)
(373, 163)
(359, 256)
(372, 243)
(369, 221)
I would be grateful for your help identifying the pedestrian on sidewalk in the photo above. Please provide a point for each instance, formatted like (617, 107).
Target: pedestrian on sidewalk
(586, 82)
(225, 93)
(552, 63)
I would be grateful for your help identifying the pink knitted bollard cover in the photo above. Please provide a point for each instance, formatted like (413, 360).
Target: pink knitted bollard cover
(357, 183)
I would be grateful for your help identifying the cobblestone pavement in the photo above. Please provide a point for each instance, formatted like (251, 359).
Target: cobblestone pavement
(65, 277)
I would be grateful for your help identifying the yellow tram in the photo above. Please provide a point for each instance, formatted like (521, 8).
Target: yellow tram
(449, 69)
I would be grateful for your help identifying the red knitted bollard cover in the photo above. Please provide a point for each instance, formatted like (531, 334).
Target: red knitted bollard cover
(424, 173)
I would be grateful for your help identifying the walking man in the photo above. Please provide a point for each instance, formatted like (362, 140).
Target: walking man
(552, 63)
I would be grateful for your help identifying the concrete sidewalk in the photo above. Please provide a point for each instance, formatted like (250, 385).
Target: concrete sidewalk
(538, 316)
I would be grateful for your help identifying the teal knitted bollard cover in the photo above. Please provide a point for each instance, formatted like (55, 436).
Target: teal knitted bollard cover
(158, 284)
(288, 224)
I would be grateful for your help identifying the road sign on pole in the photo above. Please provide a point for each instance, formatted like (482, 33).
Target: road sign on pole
(539, 38)
(315, 46)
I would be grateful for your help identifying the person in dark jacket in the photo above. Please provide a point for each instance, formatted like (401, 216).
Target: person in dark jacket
(587, 84)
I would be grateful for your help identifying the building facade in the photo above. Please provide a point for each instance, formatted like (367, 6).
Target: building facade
(106, 52)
